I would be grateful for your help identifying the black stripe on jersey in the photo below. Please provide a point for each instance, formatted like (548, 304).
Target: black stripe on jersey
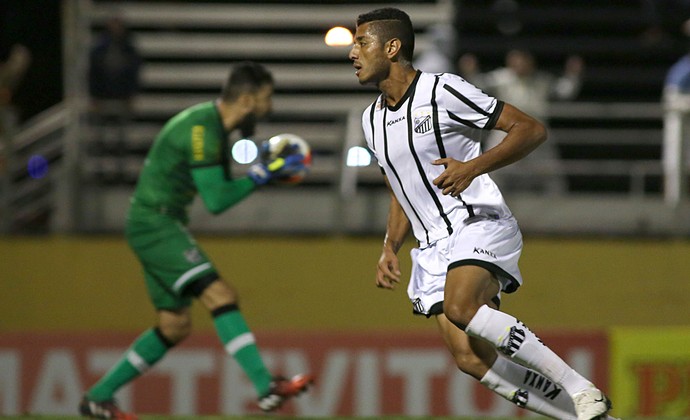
(462, 121)
(494, 116)
(397, 177)
(371, 122)
(420, 169)
(372, 108)
(435, 122)
(441, 150)
(439, 140)
(465, 100)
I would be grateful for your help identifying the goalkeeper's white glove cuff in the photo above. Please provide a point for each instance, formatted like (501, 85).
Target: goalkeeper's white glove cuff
(260, 174)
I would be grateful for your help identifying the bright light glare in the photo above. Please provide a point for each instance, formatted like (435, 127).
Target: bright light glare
(244, 151)
(358, 156)
(338, 37)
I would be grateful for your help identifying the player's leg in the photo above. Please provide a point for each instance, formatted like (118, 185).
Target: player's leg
(221, 301)
(169, 258)
(515, 383)
(173, 326)
(144, 352)
(220, 298)
(466, 307)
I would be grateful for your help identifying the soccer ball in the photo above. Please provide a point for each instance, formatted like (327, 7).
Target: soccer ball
(285, 144)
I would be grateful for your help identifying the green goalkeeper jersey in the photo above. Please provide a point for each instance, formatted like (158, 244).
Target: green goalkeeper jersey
(193, 139)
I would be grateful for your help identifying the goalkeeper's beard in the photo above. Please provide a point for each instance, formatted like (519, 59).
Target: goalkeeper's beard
(247, 126)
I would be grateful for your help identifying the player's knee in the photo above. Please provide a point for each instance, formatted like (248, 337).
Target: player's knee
(175, 330)
(469, 363)
(199, 286)
(178, 333)
(219, 294)
(459, 313)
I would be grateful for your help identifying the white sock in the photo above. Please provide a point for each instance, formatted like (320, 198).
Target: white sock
(528, 389)
(515, 340)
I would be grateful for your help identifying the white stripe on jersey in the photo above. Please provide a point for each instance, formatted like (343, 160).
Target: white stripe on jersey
(441, 115)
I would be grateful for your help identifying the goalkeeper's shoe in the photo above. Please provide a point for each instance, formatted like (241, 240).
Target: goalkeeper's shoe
(103, 410)
(282, 389)
(591, 404)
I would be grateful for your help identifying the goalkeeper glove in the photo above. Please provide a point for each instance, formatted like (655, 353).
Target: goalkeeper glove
(281, 167)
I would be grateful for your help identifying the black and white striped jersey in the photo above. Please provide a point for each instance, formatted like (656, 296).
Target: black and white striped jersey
(440, 115)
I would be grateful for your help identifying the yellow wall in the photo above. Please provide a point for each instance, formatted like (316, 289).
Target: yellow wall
(308, 283)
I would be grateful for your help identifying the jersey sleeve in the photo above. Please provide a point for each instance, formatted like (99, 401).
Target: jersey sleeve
(368, 130)
(468, 105)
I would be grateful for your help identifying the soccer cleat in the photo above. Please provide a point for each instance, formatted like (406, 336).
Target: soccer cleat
(103, 410)
(591, 404)
(282, 389)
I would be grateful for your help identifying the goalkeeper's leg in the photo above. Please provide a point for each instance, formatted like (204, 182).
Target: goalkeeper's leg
(220, 299)
(150, 347)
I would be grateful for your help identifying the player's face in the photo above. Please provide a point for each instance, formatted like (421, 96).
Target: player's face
(255, 106)
(263, 101)
(368, 56)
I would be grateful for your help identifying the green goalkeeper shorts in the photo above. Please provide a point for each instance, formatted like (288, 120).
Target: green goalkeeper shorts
(169, 255)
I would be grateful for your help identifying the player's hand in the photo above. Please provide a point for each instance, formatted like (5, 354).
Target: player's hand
(455, 178)
(282, 167)
(387, 270)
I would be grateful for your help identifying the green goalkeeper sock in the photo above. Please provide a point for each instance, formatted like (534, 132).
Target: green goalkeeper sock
(146, 350)
(240, 344)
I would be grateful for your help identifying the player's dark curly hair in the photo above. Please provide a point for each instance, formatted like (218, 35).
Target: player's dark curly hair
(245, 77)
(392, 23)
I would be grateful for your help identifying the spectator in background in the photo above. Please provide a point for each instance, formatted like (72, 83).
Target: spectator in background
(676, 102)
(12, 71)
(663, 18)
(114, 65)
(439, 57)
(522, 84)
(678, 77)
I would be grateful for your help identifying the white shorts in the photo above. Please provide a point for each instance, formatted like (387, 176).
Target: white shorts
(494, 244)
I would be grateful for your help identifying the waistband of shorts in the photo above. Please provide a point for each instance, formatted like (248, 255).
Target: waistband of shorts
(141, 208)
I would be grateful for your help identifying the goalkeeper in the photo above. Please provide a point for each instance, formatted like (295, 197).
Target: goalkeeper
(190, 156)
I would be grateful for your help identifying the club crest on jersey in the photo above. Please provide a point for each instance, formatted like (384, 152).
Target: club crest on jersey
(192, 255)
(418, 305)
(422, 122)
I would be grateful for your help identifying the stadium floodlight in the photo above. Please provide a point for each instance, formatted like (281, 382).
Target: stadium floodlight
(244, 151)
(338, 36)
(358, 156)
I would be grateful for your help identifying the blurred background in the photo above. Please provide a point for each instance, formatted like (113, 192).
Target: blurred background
(85, 85)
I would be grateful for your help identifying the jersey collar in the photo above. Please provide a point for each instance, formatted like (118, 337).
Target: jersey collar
(409, 92)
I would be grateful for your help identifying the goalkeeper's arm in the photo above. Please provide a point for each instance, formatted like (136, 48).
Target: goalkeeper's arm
(219, 193)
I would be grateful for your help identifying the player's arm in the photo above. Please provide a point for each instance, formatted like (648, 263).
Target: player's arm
(397, 229)
(218, 192)
(524, 134)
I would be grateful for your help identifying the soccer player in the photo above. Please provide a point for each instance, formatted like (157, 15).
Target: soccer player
(190, 156)
(425, 131)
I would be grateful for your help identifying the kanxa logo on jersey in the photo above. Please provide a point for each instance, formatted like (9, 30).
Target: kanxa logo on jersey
(395, 121)
(422, 122)
(484, 252)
